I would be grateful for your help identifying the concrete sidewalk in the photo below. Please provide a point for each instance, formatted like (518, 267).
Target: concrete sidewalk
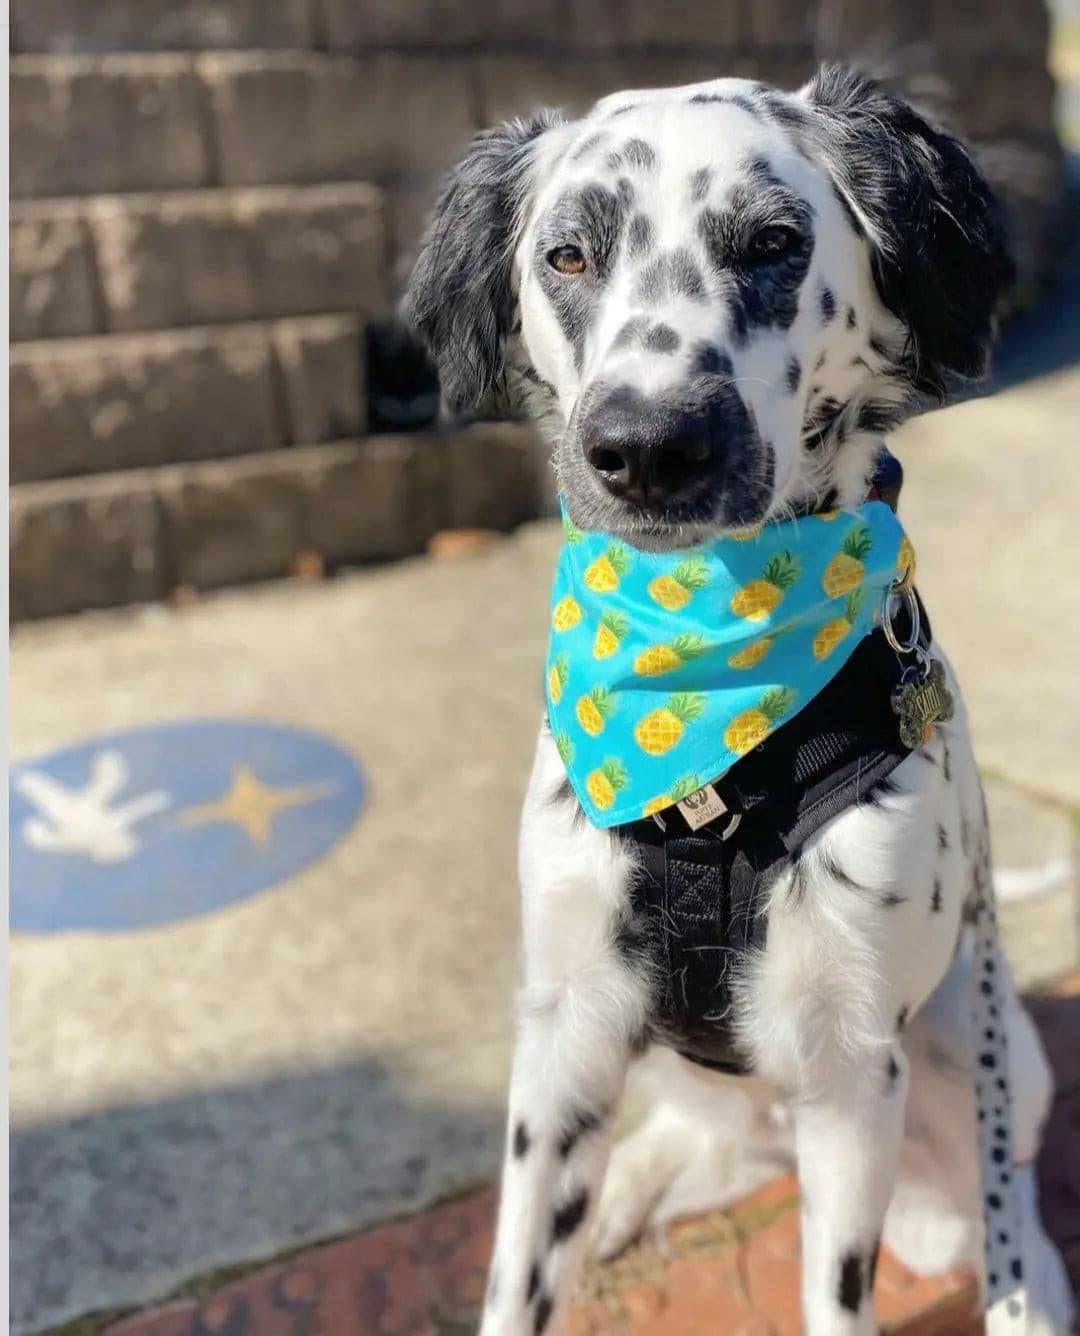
(332, 1052)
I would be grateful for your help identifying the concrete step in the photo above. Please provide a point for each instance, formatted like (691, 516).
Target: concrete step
(112, 264)
(81, 406)
(140, 534)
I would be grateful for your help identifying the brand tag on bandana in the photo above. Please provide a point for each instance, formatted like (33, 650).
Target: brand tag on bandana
(664, 668)
(702, 807)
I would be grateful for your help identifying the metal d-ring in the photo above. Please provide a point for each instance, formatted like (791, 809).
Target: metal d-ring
(908, 595)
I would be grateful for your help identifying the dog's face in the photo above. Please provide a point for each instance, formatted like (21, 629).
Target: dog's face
(717, 296)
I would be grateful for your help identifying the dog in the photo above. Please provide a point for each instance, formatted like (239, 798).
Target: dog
(782, 277)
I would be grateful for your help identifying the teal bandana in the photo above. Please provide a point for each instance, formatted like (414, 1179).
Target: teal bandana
(664, 669)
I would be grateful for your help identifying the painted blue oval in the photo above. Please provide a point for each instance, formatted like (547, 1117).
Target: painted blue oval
(153, 825)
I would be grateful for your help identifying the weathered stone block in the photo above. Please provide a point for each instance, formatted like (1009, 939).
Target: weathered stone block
(494, 475)
(323, 368)
(713, 24)
(309, 117)
(349, 26)
(52, 282)
(239, 255)
(377, 499)
(511, 85)
(237, 520)
(64, 26)
(84, 543)
(92, 405)
(1021, 29)
(92, 124)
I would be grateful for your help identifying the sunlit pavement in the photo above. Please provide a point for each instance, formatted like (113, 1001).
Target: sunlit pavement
(261, 989)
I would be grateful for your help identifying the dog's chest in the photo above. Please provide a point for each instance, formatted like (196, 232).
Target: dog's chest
(698, 908)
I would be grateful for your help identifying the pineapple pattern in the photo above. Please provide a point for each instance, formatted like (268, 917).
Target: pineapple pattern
(659, 659)
(756, 600)
(603, 575)
(835, 630)
(665, 668)
(610, 634)
(845, 572)
(674, 590)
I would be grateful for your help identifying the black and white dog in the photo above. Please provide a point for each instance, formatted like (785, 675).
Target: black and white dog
(784, 277)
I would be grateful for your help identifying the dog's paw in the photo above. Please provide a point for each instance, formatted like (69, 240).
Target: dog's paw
(641, 1170)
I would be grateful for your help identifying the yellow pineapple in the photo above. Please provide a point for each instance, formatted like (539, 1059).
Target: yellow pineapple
(594, 710)
(571, 532)
(658, 659)
(603, 575)
(756, 600)
(661, 729)
(609, 634)
(846, 570)
(557, 675)
(750, 729)
(675, 591)
(566, 614)
(564, 747)
(831, 634)
(602, 785)
(682, 788)
(905, 562)
(752, 655)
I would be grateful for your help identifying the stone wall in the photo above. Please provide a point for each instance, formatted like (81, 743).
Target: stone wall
(212, 199)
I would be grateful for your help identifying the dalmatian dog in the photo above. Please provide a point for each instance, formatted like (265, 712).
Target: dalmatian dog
(715, 300)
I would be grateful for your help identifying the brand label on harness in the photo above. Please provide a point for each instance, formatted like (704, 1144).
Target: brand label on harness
(702, 807)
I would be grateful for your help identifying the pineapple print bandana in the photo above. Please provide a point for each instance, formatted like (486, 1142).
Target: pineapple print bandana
(664, 668)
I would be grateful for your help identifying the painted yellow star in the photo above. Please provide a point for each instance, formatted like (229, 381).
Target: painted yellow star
(252, 804)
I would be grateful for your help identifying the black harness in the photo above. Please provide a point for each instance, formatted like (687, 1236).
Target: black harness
(699, 903)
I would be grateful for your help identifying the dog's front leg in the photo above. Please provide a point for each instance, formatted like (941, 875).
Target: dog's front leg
(848, 1139)
(581, 1010)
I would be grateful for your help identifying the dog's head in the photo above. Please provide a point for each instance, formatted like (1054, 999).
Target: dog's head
(718, 297)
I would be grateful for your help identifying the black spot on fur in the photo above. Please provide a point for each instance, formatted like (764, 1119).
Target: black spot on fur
(700, 184)
(851, 1285)
(639, 237)
(793, 374)
(662, 339)
(636, 153)
(1016, 1267)
(672, 274)
(632, 333)
(993, 1201)
(708, 360)
(521, 1141)
(581, 1124)
(901, 1018)
(826, 304)
(885, 788)
(942, 838)
(587, 146)
(625, 191)
(569, 1215)
(936, 902)
(890, 900)
(730, 99)
(850, 318)
(533, 1286)
(892, 1071)
(543, 1314)
(621, 111)
(987, 1060)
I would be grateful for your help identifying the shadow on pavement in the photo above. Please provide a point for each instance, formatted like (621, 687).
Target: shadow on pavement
(118, 1208)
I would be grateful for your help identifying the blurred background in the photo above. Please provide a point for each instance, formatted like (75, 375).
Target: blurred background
(262, 838)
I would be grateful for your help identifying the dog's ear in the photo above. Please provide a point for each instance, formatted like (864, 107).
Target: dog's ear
(940, 256)
(459, 296)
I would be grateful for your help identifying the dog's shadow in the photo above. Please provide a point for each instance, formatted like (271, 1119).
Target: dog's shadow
(1058, 1019)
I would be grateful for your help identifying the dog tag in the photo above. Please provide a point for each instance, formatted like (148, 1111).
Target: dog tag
(922, 702)
(702, 807)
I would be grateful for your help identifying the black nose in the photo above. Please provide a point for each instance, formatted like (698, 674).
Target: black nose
(646, 451)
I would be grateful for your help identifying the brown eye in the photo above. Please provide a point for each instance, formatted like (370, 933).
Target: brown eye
(770, 244)
(567, 260)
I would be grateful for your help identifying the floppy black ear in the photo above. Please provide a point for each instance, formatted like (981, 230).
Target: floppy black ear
(459, 296)
(941, 260)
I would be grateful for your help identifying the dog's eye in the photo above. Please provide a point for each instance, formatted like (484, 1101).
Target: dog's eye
(567, 260)
(770, 244)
